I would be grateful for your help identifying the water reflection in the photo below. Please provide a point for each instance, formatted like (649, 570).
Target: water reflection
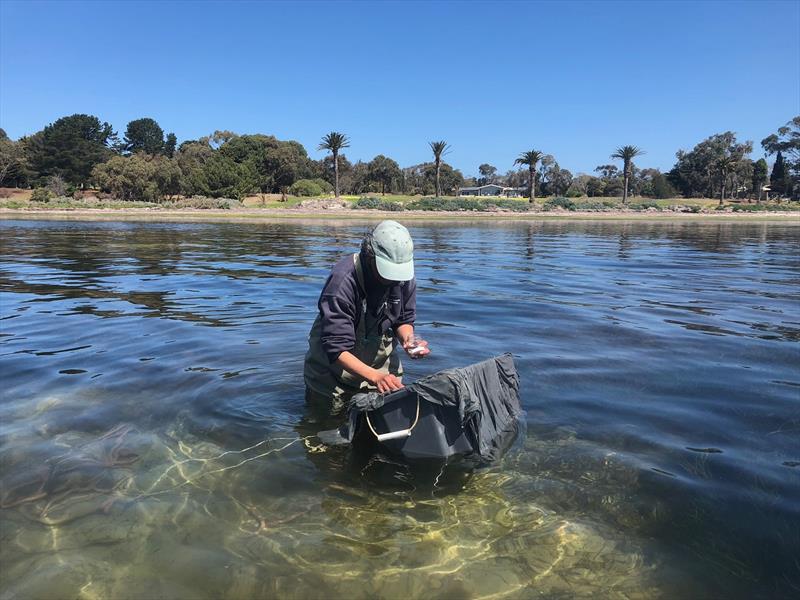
(154, 439)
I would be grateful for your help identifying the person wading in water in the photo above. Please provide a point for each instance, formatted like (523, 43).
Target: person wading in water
(367, 307)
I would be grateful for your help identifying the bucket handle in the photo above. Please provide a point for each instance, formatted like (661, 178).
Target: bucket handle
(391, 435)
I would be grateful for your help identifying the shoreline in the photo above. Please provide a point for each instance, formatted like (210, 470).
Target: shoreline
(261, 215)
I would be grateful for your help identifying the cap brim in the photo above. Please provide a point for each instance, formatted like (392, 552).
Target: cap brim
(394, 271)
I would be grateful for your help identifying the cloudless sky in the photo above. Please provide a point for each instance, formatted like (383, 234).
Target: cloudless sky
(573, 79)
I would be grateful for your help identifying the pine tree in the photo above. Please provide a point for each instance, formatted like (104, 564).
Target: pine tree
(144, 135)
(169, 145)
(779, 180)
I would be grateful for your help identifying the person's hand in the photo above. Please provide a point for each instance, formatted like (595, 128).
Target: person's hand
(386, 382)
(416, 349)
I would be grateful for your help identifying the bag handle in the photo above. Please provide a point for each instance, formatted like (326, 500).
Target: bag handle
(391, 435)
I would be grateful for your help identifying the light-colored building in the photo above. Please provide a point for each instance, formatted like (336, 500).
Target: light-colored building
(492, 189)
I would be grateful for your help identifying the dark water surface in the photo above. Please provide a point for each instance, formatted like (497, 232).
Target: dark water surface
(154, 441)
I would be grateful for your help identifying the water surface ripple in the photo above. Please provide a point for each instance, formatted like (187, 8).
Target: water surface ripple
(154, 440)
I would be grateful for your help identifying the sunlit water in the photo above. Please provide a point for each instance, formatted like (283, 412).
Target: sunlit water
(154, 441)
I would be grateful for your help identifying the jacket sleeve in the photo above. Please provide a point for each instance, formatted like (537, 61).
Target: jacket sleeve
(338, 327)
(408, 313)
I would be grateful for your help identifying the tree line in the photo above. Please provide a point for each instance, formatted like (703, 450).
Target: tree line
(80, 151)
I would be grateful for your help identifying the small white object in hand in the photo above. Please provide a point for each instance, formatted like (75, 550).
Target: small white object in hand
(415, 345)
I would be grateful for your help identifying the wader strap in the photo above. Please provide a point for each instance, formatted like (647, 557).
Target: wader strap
(360, 274)
(365, 312)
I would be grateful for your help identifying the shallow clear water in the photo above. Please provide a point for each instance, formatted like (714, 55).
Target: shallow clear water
(154, 440)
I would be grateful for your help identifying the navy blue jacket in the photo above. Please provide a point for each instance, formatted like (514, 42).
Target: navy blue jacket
(341, 303)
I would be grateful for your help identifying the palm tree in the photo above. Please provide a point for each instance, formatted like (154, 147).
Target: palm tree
(334, 142)
(724, 166)
(530, 159)
(439, 148)
(626, 154)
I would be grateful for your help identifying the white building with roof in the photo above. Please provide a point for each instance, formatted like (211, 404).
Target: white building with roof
(492, 189)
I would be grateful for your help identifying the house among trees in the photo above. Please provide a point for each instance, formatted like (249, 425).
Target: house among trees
(492, 189)
(771, 192)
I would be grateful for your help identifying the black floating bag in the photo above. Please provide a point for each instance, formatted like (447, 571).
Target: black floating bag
(473, 412)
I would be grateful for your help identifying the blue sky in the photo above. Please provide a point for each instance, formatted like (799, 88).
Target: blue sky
(494, 79)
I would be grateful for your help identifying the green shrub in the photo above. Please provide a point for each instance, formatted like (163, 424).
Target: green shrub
(448, 204)
(41, 195)
(643, 206)
(444, 204)
(574, 194)
(57, 186)
(305, 187)
(595, 205)
(201, 202)
(140, 177)
(373, 203)
(367, 203)
(461, 204)
(325, 186)
(228, 203)
(554, 203)
(781, 207)
(509, 204)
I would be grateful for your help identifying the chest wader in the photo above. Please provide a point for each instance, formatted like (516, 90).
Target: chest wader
(331, 383)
